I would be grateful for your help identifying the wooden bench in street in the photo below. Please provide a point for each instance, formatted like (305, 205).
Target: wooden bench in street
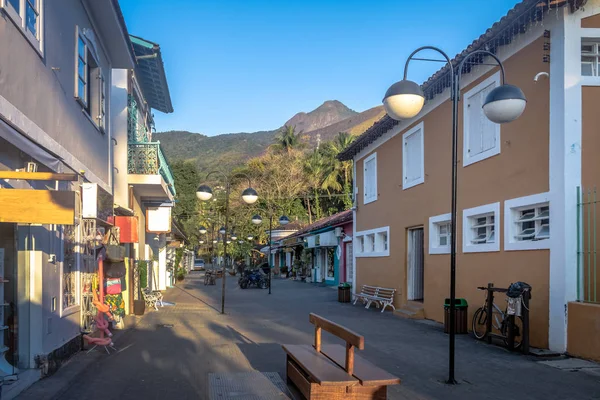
(381, 297)
(333, 371)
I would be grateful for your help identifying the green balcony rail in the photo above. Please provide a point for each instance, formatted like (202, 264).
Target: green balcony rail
(587, 245)
(136, 129)
(148, 159)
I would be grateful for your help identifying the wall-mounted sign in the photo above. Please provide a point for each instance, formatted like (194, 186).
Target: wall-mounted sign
(158, 219)
(28, 206)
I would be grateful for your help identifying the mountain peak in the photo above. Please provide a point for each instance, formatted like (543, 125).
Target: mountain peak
(330, 112)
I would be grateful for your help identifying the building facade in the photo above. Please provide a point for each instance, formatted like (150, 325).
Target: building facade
(56, 136)
(517, 183)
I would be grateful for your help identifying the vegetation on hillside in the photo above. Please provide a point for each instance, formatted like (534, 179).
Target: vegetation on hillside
(233, 150)
(293, 180)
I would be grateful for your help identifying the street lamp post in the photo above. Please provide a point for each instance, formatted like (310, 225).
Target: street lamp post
(505, 103)
(283, 220)
(249, 196)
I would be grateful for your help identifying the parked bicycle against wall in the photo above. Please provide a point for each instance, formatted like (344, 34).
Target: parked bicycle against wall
(500, 322)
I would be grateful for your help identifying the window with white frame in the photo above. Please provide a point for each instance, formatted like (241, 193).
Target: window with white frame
(373, 242)
(590, 57)
(440, 234)
(370, 178)
(481, 136)
(27, 15)
(481, 228)
(413, 162)
(90, 86)
(527, 223)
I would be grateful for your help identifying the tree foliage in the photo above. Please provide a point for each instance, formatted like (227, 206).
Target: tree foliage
(303, 184)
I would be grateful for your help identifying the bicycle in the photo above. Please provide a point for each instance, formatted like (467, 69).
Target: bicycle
(500, 322)
(209, 278)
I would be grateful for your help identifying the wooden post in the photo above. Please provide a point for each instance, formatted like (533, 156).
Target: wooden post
(490, 309)
(511, 333)
(526, 297)
(318, 338)
(349, 358)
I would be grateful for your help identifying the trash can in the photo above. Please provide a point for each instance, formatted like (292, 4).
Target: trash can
(460, 316)
(344, 293)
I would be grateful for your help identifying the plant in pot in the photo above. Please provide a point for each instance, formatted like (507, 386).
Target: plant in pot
(283, 271)
(180, 274)
(139, 305)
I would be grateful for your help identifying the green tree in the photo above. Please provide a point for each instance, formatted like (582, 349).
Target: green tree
(314, 169)
(338, 174)
(287, 140)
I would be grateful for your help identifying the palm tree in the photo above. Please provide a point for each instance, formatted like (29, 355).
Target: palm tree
(314, 171)
(287, 140)
(338, 174)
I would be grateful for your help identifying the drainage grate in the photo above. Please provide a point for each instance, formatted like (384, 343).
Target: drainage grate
(248, 386)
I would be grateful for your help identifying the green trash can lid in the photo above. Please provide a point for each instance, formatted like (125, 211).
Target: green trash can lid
(460, 303)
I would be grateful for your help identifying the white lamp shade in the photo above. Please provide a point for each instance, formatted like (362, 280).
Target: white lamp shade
(202, 230)
(503, 111)
(256, 220)
(229, 241)
(233, 237)
(222, 230)
(201, 241)
(504, 103)
(249, 196)
(214, 241)
(204, 193)
(403, 106)
(283, 220)
(249, 237)
(403, 100)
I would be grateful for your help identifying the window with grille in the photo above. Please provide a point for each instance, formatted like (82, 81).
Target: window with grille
(481, 136)
(413, 165)
(440, 234)
(481, 228)
(370, 178)
(527, 223)
(590, 55)
(373, 243)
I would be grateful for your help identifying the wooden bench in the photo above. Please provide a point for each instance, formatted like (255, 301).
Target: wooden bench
(380, 296)
(333, 371)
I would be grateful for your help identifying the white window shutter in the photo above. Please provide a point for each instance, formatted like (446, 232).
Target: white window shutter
(475, 115)
(488, 128)
(413, 156)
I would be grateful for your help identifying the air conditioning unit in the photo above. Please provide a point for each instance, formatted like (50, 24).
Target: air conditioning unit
(338, 231)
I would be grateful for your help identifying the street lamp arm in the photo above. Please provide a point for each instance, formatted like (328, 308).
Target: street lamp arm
(462, 63)
(428, 48)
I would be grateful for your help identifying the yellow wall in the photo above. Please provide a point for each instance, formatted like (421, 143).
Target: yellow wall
(520, 169)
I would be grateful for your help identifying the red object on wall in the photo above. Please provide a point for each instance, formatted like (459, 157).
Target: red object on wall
(129, 228)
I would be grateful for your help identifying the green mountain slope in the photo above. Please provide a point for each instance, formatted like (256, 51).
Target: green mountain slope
(233, 149)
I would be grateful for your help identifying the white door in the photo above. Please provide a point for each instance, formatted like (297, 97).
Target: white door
(318, 266)
(415, 264)
(349, 262)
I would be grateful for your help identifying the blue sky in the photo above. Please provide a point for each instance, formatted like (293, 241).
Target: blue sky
(249, 65)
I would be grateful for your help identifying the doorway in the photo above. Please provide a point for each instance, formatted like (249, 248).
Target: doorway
(415, 264)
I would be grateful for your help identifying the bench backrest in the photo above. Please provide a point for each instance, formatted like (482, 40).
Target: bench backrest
(386, 293)
(369, 290)
(351, 338)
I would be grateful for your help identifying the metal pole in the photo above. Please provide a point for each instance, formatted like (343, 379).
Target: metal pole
(270, 243)
(228, 186)
(455, 94)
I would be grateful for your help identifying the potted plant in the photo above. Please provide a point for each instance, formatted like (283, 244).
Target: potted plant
(139, 305)
(283, 271)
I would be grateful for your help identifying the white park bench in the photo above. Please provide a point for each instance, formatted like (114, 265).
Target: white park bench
(381, 297)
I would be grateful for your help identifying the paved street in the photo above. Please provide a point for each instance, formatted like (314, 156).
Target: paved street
(170, 353)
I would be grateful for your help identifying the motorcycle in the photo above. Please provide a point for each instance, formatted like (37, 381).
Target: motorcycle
(253, 277)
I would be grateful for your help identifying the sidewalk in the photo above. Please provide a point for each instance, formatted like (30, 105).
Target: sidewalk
(171, 352)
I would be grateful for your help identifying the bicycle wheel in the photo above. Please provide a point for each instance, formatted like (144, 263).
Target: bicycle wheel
(479, 324)
(518, 331)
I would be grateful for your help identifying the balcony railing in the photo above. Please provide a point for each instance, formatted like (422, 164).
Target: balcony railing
(148, 159)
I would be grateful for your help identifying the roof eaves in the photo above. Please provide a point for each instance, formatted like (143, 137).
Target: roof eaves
(435, 84)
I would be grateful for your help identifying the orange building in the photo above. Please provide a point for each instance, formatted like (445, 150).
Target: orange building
(517, 183)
